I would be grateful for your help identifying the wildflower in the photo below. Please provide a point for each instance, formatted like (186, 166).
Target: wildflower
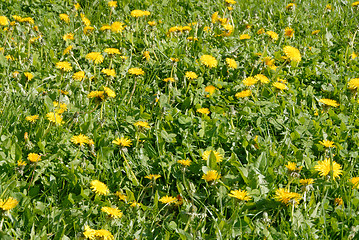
(185, 163)
(32, 118)
(170, 79)
(136, 71)
(355, 4)
(88, 29)
(329, 102)
(203, 111)
(64, 66)
(315, 32)
(353, 55)
(261, 31)
(68, 36)
(338, 201)
(279, 85)
(292, 53)
(191, 75)
(99, 187)
(65, 18)
(243, 94)
(62, 107)
(117, 27)
(122, 142)
(289, 32)
(327, 143)
(33, 157)
(287, 197)
(209, 61)
(211, 175)
(137, 13)
(79, 76)
(8, 204)
(95, 57)
(174, 59)
(112, 4)
(77, 6)
(55, 118)
(167, 200)
(153, 176)
(217, 155)
(240, 195)
(134, 204)
(273, 35)
(210, 89)
(28, 75)
(328, 7)
(292, 167)
(290, 6)
(231, 63)
(112, 51)
(85, 20)
(306, 182)
(67, 50)
(141, 124)
(355, 182)
(112, 212)
(261, 78)
(230, 1)
(215, 17)
(249, 81)
(93, 234)
(192, 39)
(354, 83)
(100, 95)
(14, 74)
(89, 233)
(244, 37)
(80, 139)
(4, 21)
(152, 23)
(146, 54)
(121, 196)
(325, 167)
(109, 72)
(105, 27)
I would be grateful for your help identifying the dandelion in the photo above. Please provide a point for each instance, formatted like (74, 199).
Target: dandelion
(64, 66)
(290, 6)
(170, 79)
(109, 92)
(152, 23)
(65, 18)
(112, 212)
(292, 53)
(99, 187)
(355, 182)
(191, 75)
(287, 197)
(101, 234)
(33, 157)
(153, 176)
(88, 29)
(62, 107)
(121, 196)
(292, 167)
(240, 195)
(112, 51)
(208, 61)
(327, 143)
(192, 39)
(85, 20)
(28, 75)
(273, 35)
(279, 85)
(67, 50)
(141, 124)
(353, 83)
(55, 118)
(211, 175)
(137, 13)
(244, 37)
(325, 167)
(134, 204)
(306, 182)
(315, 32)
(261, 78)
(95, 57)
(4, 21)
(329, 102)
(117, 27)
(185, 163)
(249, 81)
(146, 55)
(243, 94)
(355, 4)
(112, 4)
(231, 63)
(210, 89)
(8, 204)
(217, 155)
(109, 72)
(100, 95)
(122, 142)
(353, 55)
(203, 111)
(68, 36)
(32, 118)
(338, 201)
(289, 32)
(215, 17)
(105, 27)
(261, 31)
(136, 71)
(167, 200)
(79, 76)
(80, 139)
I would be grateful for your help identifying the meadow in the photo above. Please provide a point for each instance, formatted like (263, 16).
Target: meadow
(190, 119)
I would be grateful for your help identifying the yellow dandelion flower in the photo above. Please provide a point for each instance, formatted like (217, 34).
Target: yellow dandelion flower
(208, 61)
(88, 29)
(261, 31)
(89, 233)
(65, 18)
(185, 163)
(170, 79)
(122, 142)
(121, 196)
(167, 200)
(112, 4)
(327, 143)
(146, 55)
(134, 204)
(287, 197)
(354, 83)
(67, 50)
(191, 75)
(14, 74)
(261, 78)
(137, 13)
(249, 81)
(62, 107)
(240, 195)
(55, 118)
(79, 76)
(215, 17)
(329, 102)
(279, 85)
(112, 212)
(100, 95)
(77, 6)
(206, 154)
(306, 182)
(289, 32)
(85, 20)
(231, 63)
(338, 201)
(290, 6)
(109, 92)
(153, 176)
(324, 168)
(99, 187)
(211, 175)
(4, 21)
(33, 157)
(80, 139)
(231, 2)
(203, 111)
(192, 39)
(8, 204)
(68, 36)
(136, 71)
(105, 27)
(95, 57)
(109, 72)
(292, 53)
(64, 66)
(315, 32)
(244, 37)
(272, 35)
(28, 75)
(141, 124)
(292, 167)
(152, 23)
(355, 182)
(355, 4)
(243, 94)
(210, 89)
(112, 51)
(32, 118)
(117, 27)
(353, 55)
